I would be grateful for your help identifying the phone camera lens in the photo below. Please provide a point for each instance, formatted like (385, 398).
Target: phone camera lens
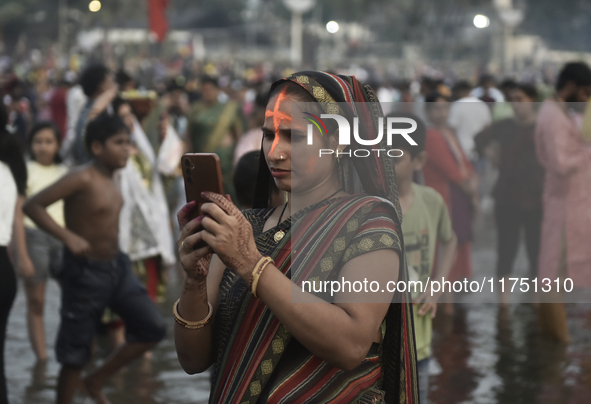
(187, 163)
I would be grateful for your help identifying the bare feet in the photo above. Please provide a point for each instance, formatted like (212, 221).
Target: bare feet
(93, 390)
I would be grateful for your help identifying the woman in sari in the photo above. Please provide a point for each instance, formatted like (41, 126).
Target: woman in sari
(215, 127)
(237, 310)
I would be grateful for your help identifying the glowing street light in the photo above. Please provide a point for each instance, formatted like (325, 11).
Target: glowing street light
(94, 6)
(332, 27)
(481, 21)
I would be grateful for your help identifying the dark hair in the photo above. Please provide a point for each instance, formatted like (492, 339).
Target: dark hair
(92, 77)
(487, 79)
(461, 86)
(508, 84)
(122, 78)
(210, 80)
(577, 72)
(245, 177)
(261, 99)
(11, 154)
(429, 83)
(419, 135)
(38, 127)
(293, 90)
(528, 89)
(102, 128)
(434, 96)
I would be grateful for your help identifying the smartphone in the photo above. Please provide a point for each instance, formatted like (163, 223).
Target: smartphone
(202, 172)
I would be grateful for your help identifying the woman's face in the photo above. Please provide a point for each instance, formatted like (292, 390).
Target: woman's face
(523, 105)
(438, 112)
(45, 146)
(126, 115)
(295, 165)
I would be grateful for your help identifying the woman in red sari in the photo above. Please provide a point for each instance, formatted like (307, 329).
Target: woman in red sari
(449, 171)
(237, 309)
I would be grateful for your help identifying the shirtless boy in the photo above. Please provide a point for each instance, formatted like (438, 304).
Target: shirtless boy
(95, 273)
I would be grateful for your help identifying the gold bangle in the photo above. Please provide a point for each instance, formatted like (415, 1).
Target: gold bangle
(257, 275)
(255, 269)
(191, 325)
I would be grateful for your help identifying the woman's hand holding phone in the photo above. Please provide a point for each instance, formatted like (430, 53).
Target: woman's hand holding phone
(193, 253)
(210, 222)
(229, 234)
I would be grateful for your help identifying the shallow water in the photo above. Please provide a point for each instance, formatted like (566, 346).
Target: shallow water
(482, 355)
(159, 380)
(487, 355)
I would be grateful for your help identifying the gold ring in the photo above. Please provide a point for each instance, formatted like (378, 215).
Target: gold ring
(182, 243)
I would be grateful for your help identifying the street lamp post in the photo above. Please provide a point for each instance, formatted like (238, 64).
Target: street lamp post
(511, 18)
(297, 8)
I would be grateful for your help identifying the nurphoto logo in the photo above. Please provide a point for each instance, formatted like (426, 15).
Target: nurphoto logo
(345, 133)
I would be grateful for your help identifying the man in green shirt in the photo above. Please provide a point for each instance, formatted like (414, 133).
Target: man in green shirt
(425, 223)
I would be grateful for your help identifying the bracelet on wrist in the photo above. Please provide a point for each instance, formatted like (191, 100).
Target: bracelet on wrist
(191, 325)
(256, 273)
(254, 270)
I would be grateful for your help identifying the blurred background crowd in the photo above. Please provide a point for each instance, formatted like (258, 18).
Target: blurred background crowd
(193, 75)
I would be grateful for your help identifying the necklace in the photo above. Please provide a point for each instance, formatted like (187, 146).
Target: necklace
(281, 215)
(280, 234)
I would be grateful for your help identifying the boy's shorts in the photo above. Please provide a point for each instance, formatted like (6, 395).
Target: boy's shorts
(90, 286)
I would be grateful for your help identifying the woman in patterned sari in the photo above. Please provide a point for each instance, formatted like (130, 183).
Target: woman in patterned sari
(237, 309)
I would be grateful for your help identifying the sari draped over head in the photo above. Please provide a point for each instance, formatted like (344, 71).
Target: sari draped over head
(257, 359)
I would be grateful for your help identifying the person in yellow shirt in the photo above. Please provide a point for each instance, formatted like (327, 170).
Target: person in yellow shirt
(39, 253)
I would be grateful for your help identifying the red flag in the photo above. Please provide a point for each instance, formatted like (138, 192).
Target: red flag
(157, 18)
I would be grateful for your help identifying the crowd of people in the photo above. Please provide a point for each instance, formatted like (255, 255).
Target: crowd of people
(89, 168)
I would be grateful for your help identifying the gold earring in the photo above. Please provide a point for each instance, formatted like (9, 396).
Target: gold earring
(339, 152)
(285, 196)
